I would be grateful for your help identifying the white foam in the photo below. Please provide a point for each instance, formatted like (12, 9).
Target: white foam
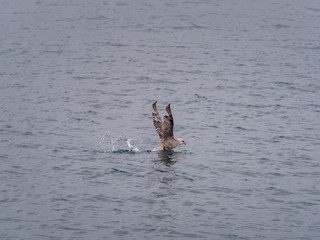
(131, 147)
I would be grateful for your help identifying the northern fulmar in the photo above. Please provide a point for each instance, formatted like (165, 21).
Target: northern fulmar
(165, 130)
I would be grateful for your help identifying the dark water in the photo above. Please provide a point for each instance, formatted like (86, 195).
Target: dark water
(78, 79)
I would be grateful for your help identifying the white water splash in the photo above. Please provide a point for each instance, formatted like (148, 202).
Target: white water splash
(131, 147)
(111, 142)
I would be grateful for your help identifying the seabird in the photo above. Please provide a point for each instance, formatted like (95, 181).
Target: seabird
(165, 130)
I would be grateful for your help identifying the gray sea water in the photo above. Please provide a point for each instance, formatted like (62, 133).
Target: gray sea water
(78, 78)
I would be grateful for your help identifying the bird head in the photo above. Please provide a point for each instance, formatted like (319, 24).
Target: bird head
(181, 141)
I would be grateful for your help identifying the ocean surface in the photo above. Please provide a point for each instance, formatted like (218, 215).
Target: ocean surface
(78, 78)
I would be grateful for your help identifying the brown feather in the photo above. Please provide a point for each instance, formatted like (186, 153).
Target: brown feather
(168, 108)
(157, 121)
(168, 124)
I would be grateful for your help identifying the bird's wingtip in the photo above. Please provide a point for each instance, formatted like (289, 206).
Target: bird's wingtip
(154, 106)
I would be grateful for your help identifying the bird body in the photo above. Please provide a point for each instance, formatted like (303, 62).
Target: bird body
(165, 130)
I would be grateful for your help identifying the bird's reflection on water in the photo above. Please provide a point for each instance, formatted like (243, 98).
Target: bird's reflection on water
(166, 187)
(168, 157)
(164, 162)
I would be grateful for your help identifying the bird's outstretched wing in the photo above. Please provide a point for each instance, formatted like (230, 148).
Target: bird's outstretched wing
(157, 121)
(168, 124)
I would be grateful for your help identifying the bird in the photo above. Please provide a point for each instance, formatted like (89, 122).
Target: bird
(165, 130)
